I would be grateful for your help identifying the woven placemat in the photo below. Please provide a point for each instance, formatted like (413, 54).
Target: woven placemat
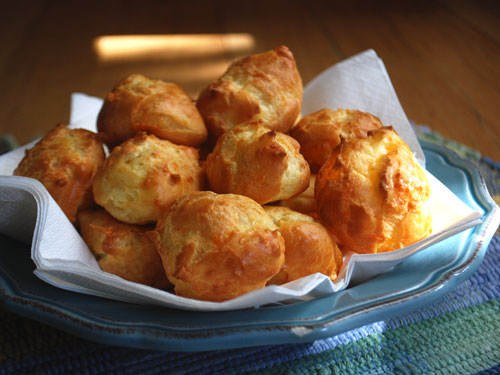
(457, 334)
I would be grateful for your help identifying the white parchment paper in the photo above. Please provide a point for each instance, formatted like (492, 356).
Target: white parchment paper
(28, 213)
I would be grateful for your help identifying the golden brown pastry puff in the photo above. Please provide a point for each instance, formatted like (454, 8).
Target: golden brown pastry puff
(319, 133)
(218, 246)
(308, 246)
(122, 249)
(265, 86)
(143, 176)
(372, 194)
(138, 104)
(65, 161)
(262, 164)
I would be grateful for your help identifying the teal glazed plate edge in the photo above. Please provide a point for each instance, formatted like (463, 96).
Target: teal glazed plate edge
(411, 285)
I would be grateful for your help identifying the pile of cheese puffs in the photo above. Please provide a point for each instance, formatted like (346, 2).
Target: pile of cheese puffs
(217, 196)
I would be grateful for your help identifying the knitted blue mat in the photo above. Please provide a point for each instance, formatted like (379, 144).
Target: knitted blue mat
(457, 334)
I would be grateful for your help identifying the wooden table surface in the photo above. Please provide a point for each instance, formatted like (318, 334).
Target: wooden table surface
(443, 57)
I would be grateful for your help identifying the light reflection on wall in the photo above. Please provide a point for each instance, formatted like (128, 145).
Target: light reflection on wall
(112, 48)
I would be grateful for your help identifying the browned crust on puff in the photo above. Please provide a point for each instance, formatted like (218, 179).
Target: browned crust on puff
(265, 86)
(122, 249)
(308, 246)
(218, 246)
(320, 132)
(143, 176)
(372, 194)
(262, 164)
(65, 161)
(161, 108)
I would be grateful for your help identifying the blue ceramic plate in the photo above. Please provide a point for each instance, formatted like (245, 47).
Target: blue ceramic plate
(414, 283)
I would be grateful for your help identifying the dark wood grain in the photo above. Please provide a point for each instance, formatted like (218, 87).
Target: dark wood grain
(443, 56)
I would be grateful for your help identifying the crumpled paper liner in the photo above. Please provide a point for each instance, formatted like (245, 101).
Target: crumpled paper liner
(28, 213)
